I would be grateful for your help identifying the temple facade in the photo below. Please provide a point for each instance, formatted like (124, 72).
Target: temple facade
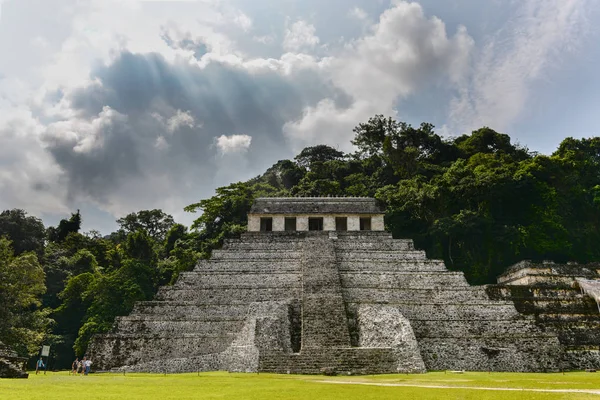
(315, 214)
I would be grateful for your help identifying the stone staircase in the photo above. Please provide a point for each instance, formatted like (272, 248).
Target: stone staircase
(564, 310)
(457, 326)
(358, 302)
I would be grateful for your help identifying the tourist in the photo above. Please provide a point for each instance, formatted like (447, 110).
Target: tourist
(74, 366)
(39, 365)
(87, 365)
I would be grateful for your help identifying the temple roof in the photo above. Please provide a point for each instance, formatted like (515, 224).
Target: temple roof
(315, 205)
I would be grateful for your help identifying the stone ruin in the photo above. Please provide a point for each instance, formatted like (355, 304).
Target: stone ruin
(11, 365)
(316, 285)
(562, 299)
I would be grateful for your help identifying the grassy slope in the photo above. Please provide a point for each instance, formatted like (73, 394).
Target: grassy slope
(220, 385)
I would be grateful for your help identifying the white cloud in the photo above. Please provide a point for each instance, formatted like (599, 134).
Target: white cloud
(233, 143)
(29, 177)
(82, 135)
(358, 13)
(97, 110)
(180, 119)
(161, 143)
(300, 36)
(265, 39)
(242, 20)
(542, 35)
(404, 52)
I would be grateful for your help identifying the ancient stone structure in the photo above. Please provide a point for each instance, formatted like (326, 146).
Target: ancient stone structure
(11, 365)
(315, 214)
(561, 299)
(317, 283)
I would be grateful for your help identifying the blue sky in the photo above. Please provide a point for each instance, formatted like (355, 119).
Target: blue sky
(116, 106)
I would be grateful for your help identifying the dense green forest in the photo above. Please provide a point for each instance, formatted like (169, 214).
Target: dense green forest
(477, 201)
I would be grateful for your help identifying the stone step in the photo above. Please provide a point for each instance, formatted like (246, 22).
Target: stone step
(203, 281)
(252, 255)
(189, 309)
(260, 246)
(425, 328)
(584, 347)
(392, 245)
(177, 327)
(242, 266)
(246, 270)
(344, 360)
(514, 353)
(225, 295)
(402, 279)
(556, 306)
(464, 312)
(162, 317)
(135, 348)
(435, 294)
(587, 334)
(534, 292)
(569, 318)
(390, 266)
(376, 256)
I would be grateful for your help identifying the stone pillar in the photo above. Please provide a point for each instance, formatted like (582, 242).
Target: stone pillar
(302, 223)
(278, 223)
(253, 223)
(377, 223)
(328, 223)
(353, 223)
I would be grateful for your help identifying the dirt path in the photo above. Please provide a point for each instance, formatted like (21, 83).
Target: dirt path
(587, 391)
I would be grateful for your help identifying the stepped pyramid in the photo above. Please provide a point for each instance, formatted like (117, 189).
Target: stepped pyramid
(316, 283)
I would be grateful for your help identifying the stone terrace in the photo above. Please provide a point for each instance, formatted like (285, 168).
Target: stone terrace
(358, 302)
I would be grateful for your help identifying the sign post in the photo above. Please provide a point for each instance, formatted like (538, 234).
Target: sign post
(46, 353)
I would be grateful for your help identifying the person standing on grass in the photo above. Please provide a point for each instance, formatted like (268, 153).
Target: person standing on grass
(39, 365)
(84, 366)
(79, 367)
(87, 366)
(74, 366)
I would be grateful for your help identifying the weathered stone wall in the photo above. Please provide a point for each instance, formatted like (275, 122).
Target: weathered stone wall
(382, 325)
(564, 311)
(456, 325)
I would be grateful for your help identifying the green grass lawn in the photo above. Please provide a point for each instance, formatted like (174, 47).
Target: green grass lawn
(223, 385)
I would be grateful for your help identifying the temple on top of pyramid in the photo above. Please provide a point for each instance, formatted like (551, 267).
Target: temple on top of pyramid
(317, 284)
(278, 214)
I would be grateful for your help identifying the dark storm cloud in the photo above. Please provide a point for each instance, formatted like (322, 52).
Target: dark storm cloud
(147, 93)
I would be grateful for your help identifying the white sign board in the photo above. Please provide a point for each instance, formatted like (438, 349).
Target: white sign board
(45, 351)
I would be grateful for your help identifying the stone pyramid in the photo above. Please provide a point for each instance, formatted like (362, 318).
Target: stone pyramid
(301, 301)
